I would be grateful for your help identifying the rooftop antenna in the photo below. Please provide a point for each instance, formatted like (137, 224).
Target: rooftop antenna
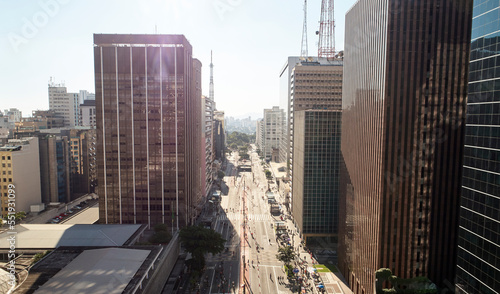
(303, 51)
(211, 87)
(156, 29)
(326, 47)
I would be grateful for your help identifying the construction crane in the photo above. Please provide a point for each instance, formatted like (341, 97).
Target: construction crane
(303, 51)
(326, 47)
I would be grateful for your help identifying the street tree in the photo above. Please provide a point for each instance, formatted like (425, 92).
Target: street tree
(198, 241)
(286, 255)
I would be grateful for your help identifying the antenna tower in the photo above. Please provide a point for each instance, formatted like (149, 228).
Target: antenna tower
(326, 32)
(303, 52)
(211, 89)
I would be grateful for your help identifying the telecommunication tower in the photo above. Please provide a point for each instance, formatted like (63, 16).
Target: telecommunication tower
(211, 86)
(303, 51)
(326, 47)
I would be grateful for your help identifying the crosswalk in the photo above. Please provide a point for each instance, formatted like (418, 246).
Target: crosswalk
(234, 216)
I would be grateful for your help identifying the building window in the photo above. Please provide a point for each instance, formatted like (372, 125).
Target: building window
(3, 157)
(8, 157)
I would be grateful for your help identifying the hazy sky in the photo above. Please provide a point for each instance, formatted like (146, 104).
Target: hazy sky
(250, 39)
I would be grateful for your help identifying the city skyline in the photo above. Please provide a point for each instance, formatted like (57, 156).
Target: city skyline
(53, 38)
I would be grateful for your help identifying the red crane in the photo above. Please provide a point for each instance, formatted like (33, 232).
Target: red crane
(326, 47)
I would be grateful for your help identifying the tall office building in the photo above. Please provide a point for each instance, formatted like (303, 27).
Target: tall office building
(403, 115)
(219, 135)
(207, 145)
(284, 103)
(273, 124)
(64, 104)
(259, 134)
(315, 83)
(147, 96)
(55, 168)
(478, 260)
(316, 173)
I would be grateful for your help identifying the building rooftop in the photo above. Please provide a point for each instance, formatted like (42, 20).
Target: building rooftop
(50, 236)
(88, 103)
(10, 148)
(107, 270)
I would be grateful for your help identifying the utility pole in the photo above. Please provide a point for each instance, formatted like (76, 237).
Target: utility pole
(326, 31)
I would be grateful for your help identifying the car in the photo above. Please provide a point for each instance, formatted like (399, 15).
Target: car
(64, 214)
(59, 217)
(55, 220)
(77, 207)
(70, 211)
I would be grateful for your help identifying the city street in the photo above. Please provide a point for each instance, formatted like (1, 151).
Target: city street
(248, 263)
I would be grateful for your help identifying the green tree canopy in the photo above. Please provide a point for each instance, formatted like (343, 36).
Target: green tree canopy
(237, 139)
(198, 240)
(286, 254)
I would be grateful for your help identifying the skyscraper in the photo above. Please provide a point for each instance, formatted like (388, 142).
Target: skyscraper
(478, 258)
(272, 128)
(403, 113)
(207, 144)
(148, 104)
(219, 135)
(316, 173)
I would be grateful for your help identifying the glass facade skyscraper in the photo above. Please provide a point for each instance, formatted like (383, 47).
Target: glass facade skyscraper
(403, 120)
(478, 269)
(148, 104)
(316, 173)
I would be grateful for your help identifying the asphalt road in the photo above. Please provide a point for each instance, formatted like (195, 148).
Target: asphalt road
(244, 219)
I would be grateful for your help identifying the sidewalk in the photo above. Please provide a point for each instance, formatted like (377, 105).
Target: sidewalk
(334, 282)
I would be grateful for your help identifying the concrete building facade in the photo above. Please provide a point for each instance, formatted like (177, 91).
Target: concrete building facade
(14, 114)
(273, 125)
(20, 175)
(259, 132)
(64, 104)
(87, 114)
(207, 146)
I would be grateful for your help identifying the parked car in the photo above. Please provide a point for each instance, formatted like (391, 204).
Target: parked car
(77, 207)
(55, 220)
(70, 211)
